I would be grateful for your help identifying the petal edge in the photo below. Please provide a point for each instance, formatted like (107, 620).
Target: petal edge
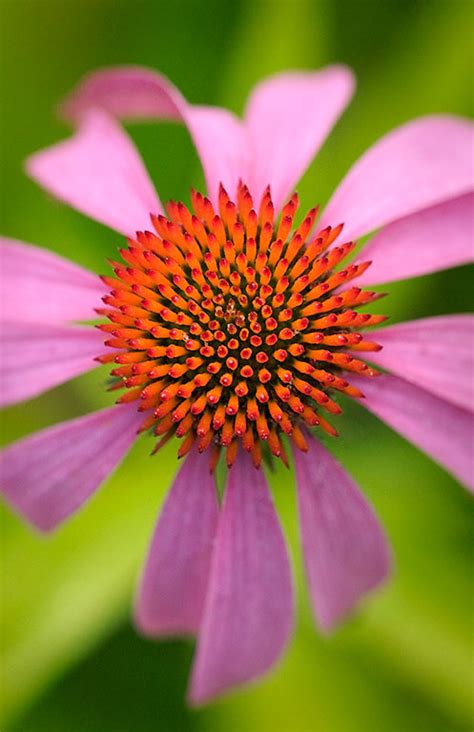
(442, 430)
(345, 550)
(420, 164)
(417, 351)
(249, 611)
(66, 464)
(136, 93)
(430, 240)
(172, 590)
(288, 117)
(98, 171)
(37, 357)
(39, 286)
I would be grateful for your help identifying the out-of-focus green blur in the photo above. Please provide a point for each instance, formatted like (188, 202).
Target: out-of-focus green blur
(70, 660)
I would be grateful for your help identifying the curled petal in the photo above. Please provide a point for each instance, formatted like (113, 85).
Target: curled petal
(288, 117)
(248, 614)
(38, 356)
(99, 172)
(436, 238)
(442, 430)
(49, 475)
(421, 350)
(131, 93)
(345, 550)
(173, 588)
(417, 165)
(39, 286)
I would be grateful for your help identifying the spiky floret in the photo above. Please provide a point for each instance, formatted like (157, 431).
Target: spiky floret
(233, 326)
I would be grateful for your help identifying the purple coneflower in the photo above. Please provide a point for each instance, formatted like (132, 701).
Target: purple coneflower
(236, 329)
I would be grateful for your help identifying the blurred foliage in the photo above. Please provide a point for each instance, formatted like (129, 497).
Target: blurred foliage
(70, 661)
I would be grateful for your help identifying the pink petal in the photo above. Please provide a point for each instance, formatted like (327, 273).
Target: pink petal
(38, 356)
(442, 430)
(173, 588)
(437, 353)
(138, 93)
(38, 286)
(99, 172)
(288, 117)
(249, 610)
(432, 239)
(345, 550)
(49, 475)
(423, 163)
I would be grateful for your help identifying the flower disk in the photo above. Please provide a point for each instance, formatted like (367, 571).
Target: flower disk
(234, 327)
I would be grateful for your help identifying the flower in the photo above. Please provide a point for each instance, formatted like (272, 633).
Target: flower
(236, 329)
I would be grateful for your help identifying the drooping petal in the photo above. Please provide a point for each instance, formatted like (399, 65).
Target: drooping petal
(249, 610)
(442, 430)
(345, 550)
(38, 356)
(288, 117)
(420, 164)
(131, 93)
(435, 353)
(47, 476)
(99, 172)
(436, 238)
(38, 286)
(173, 588)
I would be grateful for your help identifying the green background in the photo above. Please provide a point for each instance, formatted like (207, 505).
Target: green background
(70, 659)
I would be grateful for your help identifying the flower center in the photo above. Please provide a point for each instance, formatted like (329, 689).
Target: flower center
(234, 327)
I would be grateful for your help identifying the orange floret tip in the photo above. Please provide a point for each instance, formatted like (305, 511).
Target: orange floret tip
(234, 327)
